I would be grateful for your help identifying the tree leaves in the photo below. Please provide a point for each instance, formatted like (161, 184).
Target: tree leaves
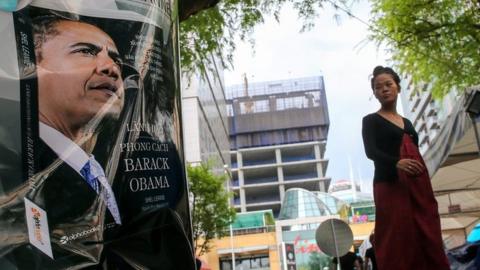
(215, 30)
(211, 212)
(431, 41)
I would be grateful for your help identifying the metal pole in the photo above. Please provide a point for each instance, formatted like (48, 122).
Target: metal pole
(231, 246)
(335, 243)
(475, 129)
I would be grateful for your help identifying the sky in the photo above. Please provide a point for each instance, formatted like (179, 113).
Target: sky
(338, 50)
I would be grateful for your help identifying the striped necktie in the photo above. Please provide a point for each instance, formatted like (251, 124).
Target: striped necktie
(93, 174)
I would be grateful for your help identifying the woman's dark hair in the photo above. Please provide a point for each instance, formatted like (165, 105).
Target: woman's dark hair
(385, 70)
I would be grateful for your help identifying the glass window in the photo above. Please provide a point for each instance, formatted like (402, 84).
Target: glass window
(246, 107)
(265, 262)
(225, 265)
(229, 110)
(242, 264)
(280, 104)
(255, 263)
(261, 106)
(274, 88)
(248, 263)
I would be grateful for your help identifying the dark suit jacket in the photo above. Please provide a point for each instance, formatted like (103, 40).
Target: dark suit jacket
(10, 145)
(151, 239)
(72, 208)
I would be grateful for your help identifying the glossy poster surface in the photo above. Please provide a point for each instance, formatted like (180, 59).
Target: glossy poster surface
(91, 163)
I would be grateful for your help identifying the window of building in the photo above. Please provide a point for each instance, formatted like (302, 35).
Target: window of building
(246, 107)
(229, 110)
(236, 198)
(261, 106)
(310, 99)
(280, 104)
(225, 265)
(313, 98)
(246, 263)
(256, 106)
(274, 88)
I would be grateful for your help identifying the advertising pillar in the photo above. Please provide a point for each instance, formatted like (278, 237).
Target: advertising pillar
(91, 159)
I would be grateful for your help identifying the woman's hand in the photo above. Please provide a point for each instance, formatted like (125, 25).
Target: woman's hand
(411, 166)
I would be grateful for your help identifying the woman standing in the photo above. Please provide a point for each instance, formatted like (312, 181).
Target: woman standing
(407, 227)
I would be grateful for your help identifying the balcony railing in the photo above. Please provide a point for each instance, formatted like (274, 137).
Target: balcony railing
(258, 162)
(297, 158)
(300, 176)
(253, 181)
(253, 230)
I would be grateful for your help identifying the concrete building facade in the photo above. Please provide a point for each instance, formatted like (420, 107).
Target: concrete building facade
(428, 115)
(278, 133)
(441, 124)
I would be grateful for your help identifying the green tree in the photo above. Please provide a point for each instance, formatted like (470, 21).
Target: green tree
(211, 212)
(215, 30)
(433, 41)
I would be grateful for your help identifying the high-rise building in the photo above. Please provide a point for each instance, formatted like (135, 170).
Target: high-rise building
(432, 119)
(278, 133)
(447, 140)
(205, 118)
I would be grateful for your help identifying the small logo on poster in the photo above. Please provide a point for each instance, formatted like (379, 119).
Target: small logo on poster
(38, 233)
(65, 239)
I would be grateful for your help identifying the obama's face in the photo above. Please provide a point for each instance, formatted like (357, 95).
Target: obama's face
(79, 74)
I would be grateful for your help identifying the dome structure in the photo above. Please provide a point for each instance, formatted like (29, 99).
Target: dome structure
(301, 203)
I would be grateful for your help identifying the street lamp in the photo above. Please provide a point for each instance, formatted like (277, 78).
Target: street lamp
(472, 107)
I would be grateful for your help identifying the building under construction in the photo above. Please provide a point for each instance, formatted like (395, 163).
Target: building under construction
(278, 132)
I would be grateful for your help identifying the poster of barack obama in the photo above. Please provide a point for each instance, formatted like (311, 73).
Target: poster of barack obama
(102, 184)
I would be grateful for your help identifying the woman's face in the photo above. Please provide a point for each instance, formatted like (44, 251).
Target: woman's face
(385, 88)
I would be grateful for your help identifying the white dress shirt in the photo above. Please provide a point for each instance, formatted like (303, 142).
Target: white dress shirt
(66, 149)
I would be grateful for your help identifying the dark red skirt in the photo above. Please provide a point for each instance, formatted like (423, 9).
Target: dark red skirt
(407, 226)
